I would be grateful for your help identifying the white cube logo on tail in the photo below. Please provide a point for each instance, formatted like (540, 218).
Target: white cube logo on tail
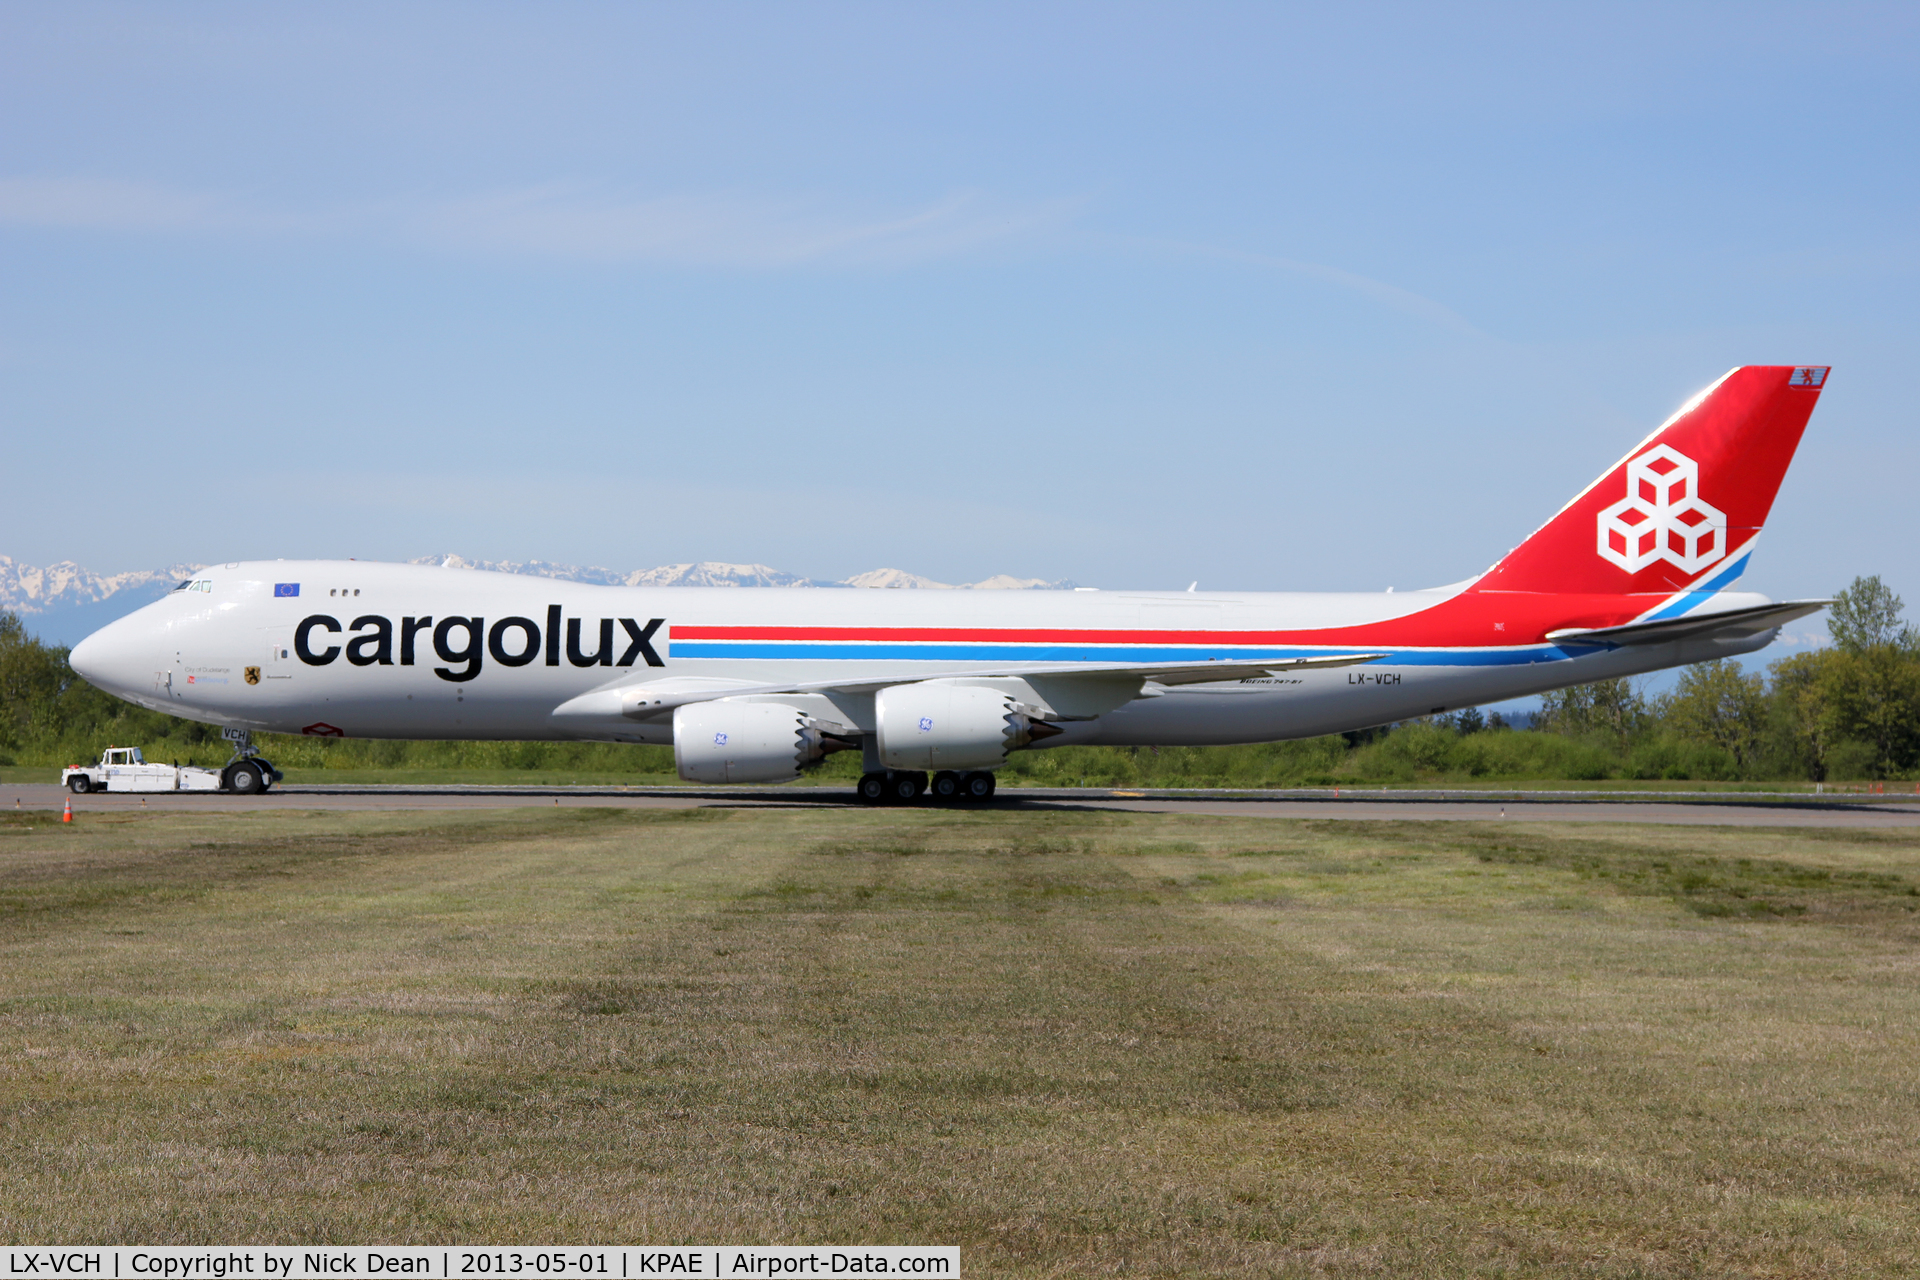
(1662, 516)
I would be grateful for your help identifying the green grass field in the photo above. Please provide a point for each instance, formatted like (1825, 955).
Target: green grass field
(1073, 1044)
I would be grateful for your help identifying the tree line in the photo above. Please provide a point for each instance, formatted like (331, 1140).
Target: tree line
(1848, 711)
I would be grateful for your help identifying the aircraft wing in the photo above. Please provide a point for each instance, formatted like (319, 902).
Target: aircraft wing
(1165, 673)
(642, 701)
(1730, 624)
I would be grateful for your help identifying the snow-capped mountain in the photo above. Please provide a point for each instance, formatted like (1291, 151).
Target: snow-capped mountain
(715, 573)
(901, 578)
(62, 603)
(707, 573)
(25, 589)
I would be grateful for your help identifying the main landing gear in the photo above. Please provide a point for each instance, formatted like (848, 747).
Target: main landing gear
(896, 786)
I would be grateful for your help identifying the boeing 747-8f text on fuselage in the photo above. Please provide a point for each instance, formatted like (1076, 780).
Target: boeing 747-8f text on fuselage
(754, 685)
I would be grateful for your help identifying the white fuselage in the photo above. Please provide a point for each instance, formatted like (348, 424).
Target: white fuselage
(403, 651)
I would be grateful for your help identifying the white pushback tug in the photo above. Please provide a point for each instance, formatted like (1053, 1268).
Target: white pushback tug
(126, 769)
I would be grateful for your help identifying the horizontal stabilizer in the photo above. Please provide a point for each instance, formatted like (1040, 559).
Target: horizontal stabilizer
(1730, 624)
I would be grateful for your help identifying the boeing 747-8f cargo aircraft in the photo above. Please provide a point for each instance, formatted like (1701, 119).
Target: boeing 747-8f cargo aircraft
(754, 685)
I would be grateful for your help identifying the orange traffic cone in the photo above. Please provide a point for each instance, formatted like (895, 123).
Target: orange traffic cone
(68, 815)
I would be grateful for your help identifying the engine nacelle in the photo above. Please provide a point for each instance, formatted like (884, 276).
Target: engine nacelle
(938, 724)
(727, 741)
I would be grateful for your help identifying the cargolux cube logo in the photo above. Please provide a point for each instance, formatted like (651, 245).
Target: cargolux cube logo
(1662, 516)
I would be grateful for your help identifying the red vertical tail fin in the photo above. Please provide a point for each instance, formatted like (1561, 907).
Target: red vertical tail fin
(1684, 507)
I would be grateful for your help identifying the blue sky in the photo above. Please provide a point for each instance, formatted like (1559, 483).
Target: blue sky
(1320, 297)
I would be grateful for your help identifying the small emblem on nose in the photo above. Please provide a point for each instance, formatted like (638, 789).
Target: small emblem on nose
(286, 590)
(253, 675)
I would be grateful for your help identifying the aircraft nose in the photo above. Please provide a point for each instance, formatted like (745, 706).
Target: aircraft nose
(85, 658)
(113, 658)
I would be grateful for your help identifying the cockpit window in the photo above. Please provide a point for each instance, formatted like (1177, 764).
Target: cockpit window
(196, 584)
(182, 586)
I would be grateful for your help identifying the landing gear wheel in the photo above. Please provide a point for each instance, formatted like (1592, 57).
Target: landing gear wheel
(905, 788)
(268, 774)
(79, 784)
(977, 786)
(245, 779)
(872, 788)
(945, 786)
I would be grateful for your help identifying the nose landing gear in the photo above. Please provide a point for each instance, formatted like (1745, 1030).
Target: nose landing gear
(245, 778)
(246, 773)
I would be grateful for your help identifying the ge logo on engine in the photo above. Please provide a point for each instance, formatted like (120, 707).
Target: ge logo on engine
(719, 739)
(926, 724)
(1662, 516)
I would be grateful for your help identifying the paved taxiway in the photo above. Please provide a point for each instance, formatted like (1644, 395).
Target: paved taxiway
(1698, 809)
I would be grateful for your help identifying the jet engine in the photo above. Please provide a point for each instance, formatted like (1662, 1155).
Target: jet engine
(728, 741)
(940, 724)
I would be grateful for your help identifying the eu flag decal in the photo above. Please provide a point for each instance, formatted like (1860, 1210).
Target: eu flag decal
(284, 590)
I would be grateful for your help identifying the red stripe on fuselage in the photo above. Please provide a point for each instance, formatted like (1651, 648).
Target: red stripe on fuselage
(1470, 620)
